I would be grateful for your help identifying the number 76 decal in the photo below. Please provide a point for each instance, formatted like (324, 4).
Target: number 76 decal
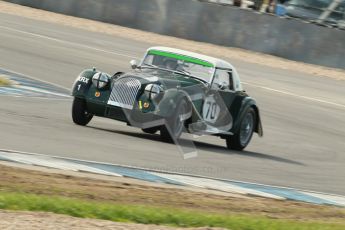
(211, 109)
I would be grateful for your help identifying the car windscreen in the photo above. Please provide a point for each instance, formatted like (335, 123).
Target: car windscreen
(184, 64)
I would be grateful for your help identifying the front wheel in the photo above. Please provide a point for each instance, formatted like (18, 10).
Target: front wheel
(241, 139)
(175, 125)
(80, 115)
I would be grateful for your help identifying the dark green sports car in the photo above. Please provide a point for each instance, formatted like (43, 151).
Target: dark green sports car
(171, 91)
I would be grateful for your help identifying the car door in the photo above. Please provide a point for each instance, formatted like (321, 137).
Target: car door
(218, 100)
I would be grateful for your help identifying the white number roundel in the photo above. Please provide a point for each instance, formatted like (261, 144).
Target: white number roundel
(210, 110)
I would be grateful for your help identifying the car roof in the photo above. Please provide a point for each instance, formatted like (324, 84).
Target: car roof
(216, 62)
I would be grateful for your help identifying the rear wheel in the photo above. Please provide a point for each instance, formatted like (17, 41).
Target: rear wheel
(241, 139)
(80, 115)
(175, 124)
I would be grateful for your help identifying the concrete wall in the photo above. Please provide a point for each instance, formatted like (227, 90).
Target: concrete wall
(213, 23)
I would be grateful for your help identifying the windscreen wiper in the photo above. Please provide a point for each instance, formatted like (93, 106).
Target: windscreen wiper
(188, 74)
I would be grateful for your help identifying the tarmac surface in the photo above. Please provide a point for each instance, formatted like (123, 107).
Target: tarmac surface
(303, 115)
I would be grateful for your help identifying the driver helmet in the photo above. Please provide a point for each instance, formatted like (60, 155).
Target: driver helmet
(170, 64)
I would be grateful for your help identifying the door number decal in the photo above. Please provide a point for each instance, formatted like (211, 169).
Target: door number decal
(211, 109)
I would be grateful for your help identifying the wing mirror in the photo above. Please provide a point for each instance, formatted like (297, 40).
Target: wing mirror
(134, 64)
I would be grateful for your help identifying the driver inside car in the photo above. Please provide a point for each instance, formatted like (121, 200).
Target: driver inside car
(221, 80)
(170, 64)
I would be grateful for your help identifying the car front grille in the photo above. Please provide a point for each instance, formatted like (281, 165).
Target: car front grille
(124, 92)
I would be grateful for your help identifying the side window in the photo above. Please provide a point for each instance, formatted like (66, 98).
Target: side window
(223, 80)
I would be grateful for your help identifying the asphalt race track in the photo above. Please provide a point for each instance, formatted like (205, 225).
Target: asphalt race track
(303, 116)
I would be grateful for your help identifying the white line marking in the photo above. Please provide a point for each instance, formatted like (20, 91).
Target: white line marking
(53, 163)
(35, 97)
(295, 95)
(4, 90)
(332, 198)
(215, 184)
(34, 78)
(125, 55)
(42, 91)
(12, 91)
(67, 42)
(169, 172)
(188, 180)
(63, 33)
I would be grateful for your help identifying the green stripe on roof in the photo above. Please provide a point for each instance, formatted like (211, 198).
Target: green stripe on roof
(181, 57)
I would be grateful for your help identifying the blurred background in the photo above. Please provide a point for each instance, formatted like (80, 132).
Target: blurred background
(323, 12)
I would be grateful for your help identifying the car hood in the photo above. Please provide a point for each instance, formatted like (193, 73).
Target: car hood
(165, 78)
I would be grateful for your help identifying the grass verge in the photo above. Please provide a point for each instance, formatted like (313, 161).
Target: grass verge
(151, 214)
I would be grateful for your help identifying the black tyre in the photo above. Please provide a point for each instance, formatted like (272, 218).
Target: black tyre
(241, 139)
(80, 115)
(176, 123)
(152, 130)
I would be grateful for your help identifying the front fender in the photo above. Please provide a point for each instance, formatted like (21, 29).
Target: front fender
(170, 100)
(82, 83)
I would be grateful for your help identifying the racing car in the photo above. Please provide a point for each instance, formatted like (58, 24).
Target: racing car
(171, 91)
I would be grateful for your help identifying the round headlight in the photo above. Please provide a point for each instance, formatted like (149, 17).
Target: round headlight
(100, 80)
(153, 90)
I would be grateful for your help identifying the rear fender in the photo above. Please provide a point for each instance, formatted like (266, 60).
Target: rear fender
(258, 128)
(246, 104)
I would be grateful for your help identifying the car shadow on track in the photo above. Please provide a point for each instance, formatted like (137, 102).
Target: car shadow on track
(224, 150)
(205, 146)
